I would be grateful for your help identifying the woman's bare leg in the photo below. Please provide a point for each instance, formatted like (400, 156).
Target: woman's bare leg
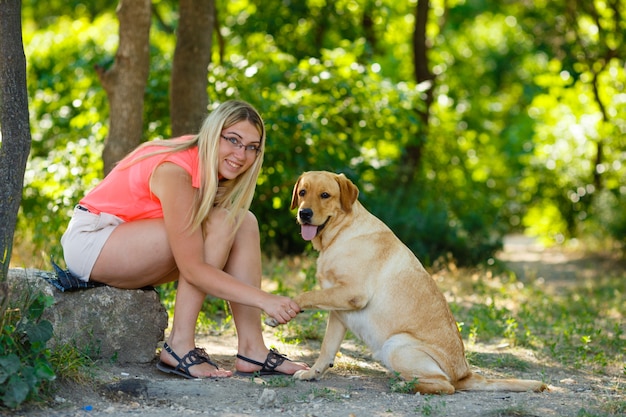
(244, 263)
(137, 254)
(182, 337)
(189, 298)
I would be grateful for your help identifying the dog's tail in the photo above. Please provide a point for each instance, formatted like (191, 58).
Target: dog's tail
(475, 382)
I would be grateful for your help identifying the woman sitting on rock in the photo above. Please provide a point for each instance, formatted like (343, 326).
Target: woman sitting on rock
(178, 209)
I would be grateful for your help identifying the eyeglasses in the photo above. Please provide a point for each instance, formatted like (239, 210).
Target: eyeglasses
(236, 144)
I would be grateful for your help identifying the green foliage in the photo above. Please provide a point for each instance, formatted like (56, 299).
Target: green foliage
(398, 384)
(71, 364)
(279, 381)
(432, 405)
(25, 366)
(526, 130)
(33, 11)
(497, 361)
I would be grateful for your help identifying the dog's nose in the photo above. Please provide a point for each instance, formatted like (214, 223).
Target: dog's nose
(305, 215)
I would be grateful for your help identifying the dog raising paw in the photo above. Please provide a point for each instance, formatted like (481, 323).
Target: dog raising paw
(373, 285)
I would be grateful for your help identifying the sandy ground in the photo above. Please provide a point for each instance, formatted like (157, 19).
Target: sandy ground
(357, 386)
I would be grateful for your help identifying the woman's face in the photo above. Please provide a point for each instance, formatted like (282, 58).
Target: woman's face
(238, 144)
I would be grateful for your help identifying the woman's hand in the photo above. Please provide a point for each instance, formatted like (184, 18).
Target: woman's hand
(280, 309)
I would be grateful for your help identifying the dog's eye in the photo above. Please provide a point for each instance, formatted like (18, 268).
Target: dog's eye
(302, 193)
(325, 195)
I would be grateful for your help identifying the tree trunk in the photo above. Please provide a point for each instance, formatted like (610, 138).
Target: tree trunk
(367, 22)
(125, 82)
(413, 152)
(188, 89)
(15, 129)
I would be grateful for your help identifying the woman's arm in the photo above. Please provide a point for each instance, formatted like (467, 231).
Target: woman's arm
(172, 185)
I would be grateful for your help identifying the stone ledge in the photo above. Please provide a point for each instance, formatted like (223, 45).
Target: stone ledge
(104, 322)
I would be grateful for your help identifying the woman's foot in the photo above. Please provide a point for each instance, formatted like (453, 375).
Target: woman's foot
(269, 362)
(194, 362)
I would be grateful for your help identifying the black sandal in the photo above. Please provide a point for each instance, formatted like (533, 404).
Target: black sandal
(273, 361)
(193, 357)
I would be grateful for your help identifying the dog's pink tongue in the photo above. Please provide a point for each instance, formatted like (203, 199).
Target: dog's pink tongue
(308, 231)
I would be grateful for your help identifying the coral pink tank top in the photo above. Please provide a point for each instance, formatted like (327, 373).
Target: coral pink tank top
(125, 191)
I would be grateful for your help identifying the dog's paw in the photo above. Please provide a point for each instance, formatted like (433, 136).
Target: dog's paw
(299, 299)
(307, 375)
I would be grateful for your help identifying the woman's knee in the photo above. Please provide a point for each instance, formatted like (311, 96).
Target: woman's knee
(249, 229)
(221, 226)
(218, 223)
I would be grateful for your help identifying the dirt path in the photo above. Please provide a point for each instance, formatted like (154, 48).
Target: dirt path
(357, 386)
(556, 268)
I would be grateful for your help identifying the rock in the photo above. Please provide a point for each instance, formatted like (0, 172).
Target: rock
(132, 387)
(267, 398)
(104, 322)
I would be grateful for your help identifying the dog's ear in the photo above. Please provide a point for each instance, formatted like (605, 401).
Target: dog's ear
(349, 192)
(294, 194)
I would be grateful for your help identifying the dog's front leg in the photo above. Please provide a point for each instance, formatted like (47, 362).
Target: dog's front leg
(339, 297)
(335, 332)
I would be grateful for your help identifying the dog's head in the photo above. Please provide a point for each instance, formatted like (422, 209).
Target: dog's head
(321, 198)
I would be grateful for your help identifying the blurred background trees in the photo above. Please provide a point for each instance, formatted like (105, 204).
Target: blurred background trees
(459, 120)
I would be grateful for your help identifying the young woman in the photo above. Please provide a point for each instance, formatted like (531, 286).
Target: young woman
(178, 209)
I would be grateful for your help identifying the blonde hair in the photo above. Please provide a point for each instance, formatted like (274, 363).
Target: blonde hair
(233, 195)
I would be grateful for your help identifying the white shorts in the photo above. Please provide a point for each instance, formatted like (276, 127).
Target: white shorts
(84, 239)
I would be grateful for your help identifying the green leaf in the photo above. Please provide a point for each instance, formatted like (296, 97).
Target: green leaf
(16, 392)
(10, 364)
(36, 308)
(40, 332)
(27, 374)
(44, 370)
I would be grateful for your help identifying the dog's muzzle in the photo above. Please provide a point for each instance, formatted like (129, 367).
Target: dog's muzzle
(309, 231)
(305, 215)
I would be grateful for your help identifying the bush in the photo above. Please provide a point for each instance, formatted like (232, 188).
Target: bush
(24, 359)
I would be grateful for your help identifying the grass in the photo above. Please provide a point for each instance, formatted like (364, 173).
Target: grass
(431, 406)
(505, 361)
(72, 365)
(397, 384)
(578, 326)
(279, 381)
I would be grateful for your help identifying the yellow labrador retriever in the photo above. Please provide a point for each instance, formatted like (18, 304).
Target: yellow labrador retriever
(374, 286)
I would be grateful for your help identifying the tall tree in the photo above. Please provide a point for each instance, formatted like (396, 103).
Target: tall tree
(426, 82)
(125, 81)
(15, 129)
(189, 82)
